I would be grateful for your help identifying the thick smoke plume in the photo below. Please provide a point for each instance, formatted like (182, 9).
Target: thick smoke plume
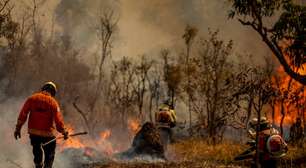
(145, 26)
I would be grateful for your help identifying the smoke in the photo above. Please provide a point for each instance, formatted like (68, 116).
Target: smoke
(12, 152)
(147, 26)
(18, 153)
(165, 21)
(144, 26)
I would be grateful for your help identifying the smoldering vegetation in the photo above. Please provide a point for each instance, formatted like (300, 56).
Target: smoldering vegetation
(215, 89)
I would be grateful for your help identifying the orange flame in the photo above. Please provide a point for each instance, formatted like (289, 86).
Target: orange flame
(287, 86)
(105, 134)
(105, 145)
(71, 142)
(101, 144)
(134, 126)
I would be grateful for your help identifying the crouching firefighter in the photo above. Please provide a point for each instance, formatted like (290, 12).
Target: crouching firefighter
(270, 144)
(44, 117)
(166, 117)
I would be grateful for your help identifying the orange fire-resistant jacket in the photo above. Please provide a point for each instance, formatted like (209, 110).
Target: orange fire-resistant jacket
(44, 115)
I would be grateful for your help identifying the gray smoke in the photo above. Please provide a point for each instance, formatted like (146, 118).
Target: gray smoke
(146, 26)
(12, 152)
(18, 153)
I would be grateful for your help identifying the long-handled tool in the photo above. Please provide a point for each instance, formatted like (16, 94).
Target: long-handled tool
(61, 137)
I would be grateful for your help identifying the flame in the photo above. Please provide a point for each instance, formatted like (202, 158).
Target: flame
(71, 142)
(105, 134)
(133, 126)
(104, 144)
(89, 146)
(287, 86)
(100, 144)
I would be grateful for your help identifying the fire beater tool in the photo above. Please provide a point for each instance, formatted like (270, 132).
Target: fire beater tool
(61, 137)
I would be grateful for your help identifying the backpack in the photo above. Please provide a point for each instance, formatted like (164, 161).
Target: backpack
(164, 117)
(276, 146)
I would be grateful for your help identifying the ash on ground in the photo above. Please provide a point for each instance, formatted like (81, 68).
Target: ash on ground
(76, 157)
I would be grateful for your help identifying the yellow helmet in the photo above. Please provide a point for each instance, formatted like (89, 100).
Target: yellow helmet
(50, 87)
(163, 107)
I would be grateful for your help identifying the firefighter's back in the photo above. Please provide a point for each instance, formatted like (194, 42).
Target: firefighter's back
(42, 109)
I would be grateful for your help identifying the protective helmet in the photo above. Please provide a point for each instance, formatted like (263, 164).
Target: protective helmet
(50, 87)
(164, 107)
(168, 103)
(264, 123)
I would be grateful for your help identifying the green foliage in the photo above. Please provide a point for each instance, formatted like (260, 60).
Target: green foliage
(286, 38)
(291, 27)
(265, 8)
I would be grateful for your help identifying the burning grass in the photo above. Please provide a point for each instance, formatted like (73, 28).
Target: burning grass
(133, 126)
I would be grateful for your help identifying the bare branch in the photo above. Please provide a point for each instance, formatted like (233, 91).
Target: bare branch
(4, 5)
(79, 110)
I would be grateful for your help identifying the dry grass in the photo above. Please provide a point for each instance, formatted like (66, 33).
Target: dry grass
(189, 164)
(197, 153)
(194, 153)
(296, 152)
(199, 149)
(295, 156)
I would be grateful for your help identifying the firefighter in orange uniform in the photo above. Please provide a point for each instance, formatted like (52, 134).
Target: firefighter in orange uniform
(272, 147)
(44, 118)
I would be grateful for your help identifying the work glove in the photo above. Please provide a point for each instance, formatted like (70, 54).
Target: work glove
(66, 135)
(17, 133)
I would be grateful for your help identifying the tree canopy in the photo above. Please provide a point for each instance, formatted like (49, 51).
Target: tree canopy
(286, 37)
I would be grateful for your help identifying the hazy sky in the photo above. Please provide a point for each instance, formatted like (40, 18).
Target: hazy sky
(146, 26)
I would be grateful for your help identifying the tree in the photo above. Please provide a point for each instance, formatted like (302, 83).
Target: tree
(122, 97)
(105, 30)
(213, 86)
(262, 89)
(289, 97)
(286, 38)
(256, 84)
(8, 27)
(140, 86)
(155, 88)
(189, 35)
(172, 75)
(11, 44)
